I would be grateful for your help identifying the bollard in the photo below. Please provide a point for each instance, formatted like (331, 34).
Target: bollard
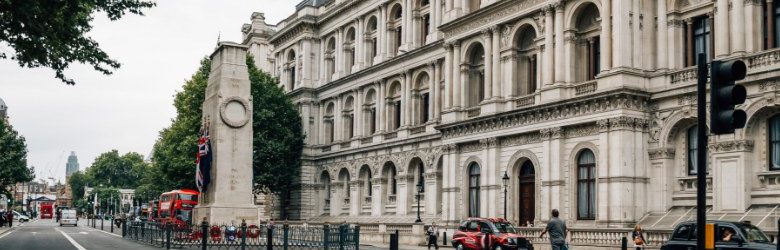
(168, 237)
(357, 237)
(624, 243)
(270, 238)
(112, 224)
(444, 239)
(124, 228)
(394, 240)
(326, 236)
(101, 224)
(204, 227)
(286, 235)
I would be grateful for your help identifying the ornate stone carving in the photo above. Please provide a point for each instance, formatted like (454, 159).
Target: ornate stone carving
(661, 153)
(470, 146)
(582, 130)
(521, 139)
(479, 21)
(731, 146)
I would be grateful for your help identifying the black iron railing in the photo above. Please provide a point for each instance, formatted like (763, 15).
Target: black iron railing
(243, 236)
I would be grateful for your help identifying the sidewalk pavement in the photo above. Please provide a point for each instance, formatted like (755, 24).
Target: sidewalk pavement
(5, 229)
(401, 247)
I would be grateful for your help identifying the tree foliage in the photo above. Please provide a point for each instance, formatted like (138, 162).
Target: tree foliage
(278, 137)
(77, 182)
(112, 170)
(13, 158)
(53, 34)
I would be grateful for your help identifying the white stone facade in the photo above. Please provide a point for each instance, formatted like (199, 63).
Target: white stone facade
(593, 98)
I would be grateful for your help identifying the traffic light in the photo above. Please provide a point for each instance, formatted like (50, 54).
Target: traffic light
(725, 94)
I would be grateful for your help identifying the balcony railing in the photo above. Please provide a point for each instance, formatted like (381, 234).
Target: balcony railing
(764, 58)
(367, 140)
(688, 74)
(417, 130)
(688, 184)
(769, 179)
(326, 148)
(391, 135)
(525, 101)
(473, 111)
(585, 87)
(345, 144)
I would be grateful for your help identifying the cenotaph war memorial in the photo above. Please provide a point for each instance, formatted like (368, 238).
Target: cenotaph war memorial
(227, 116)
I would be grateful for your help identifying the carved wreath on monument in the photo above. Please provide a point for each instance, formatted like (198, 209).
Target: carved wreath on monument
(234, 111)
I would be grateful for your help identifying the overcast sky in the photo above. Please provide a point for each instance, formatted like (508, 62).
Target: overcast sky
(124, 111)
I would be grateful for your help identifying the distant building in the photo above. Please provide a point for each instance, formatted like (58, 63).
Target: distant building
(73, 164)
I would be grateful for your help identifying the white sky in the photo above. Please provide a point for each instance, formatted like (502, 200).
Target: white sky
(124, 111)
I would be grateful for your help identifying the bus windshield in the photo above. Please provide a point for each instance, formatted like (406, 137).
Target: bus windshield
(188, 197)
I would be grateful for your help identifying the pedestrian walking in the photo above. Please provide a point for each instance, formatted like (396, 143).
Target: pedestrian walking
(2, 218)
(638, 237)
(433, 235)
(10, 218)
(557, 229)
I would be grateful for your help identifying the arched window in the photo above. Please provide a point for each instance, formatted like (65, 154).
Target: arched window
(774, 143)
(291, 75)
(421, 175)
(394, 101)
(396, 21)
(325, 181)
(526, 63)
(588, 49)
(349, 46)
(329, 125)
(330, 59)
(474, 190)
(422, 98)
(586, 185)
(476, 75)
(692, 138)
(344, 178)
(371, 45)
(349, 117)
(365, 173)
(369, 111)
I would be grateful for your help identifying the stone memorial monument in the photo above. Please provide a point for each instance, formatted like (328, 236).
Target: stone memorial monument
(227, 114)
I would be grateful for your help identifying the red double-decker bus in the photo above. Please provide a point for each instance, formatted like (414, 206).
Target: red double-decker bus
(176, 206)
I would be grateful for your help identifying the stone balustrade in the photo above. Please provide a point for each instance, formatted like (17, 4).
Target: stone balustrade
(525, 101)
(367, 140)
(586, 87)
(417, 130)
(473, 111)
(688, 184)
(391, 135)
(762, 59)
(686, 75)
(769, 179)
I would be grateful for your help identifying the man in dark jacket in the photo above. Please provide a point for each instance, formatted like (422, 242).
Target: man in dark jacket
(10, 218)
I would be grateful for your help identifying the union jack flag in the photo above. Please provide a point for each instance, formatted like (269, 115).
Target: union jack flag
(203, 162)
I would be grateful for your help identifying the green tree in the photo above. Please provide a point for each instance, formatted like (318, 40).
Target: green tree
(175, 149)
(112, 170)
(53, 34)
(278, 138)
(153, 183)
(77, 182)
(13, 158)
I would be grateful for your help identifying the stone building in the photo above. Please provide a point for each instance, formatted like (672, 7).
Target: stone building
(587, 106)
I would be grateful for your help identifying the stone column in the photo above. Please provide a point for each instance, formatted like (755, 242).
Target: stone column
(729, 177)
(406, 37)
(496, 69)
(456, 83)
(435, 20)
(436, 90)
(549, 45)
(408, 106)
(306, 67)
(359, 45)
(689, 40)
(621, 53)
(662, 51)
(402, 196)
(721, 27)
(488, 36)
(227, 114)
(448, 78)
(381, 35)
(378, 194)
(602, 172)
(338, 59)
(737, 32)
(754, 38)
(559, 67)
(432, 193)
(663, 168)
(415, 30)
(605, 38)
(323, 67)
(381, 107)
(338, 119)
(358, 120)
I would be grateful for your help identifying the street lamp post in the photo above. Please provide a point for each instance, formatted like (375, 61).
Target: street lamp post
(505, 181)
(419, 191)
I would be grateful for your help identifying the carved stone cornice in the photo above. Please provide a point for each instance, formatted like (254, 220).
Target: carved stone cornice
(432, 175)
(521, 139)
(486, 16)
(551, 133)
(731, 146)
(661, 153)
(570, 108)
(581, 130)
(473, 146)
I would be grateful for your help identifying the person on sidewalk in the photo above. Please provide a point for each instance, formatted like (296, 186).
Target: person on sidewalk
(557, 229)
(433, 233)
(638, 237)
(10, 218)
(2, 218)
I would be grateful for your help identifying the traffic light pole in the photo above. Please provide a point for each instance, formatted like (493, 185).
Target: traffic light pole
(701, 153)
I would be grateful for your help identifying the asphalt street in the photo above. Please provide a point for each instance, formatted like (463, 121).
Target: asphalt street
(48, 235)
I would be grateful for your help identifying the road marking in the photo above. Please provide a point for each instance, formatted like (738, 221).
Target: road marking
(75, 244)
(108, 233)
(84, 233)
(6, 234)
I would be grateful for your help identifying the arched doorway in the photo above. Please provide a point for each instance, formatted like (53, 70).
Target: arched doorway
(527, 184)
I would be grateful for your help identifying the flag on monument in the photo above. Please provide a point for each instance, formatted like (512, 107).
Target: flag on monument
(203, 162)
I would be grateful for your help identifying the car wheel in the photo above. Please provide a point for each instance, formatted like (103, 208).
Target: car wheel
(459, 247)
(497, 248)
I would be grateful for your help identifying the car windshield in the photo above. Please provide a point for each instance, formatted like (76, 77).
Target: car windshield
(504, 227)
(753, 234)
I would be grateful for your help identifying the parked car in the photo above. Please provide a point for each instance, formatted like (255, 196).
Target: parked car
(743, 236)
(497, 233)
(21, 217)
(68, 217)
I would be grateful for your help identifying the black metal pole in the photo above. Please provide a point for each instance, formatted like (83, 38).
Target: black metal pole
(701, 153)
(243, 234)
(168, 236)
(418, 209)
(204, 227)
(111, 225)
(777, 236)
(505, 202)
(623, 243)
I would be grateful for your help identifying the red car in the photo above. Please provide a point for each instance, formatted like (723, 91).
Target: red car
(489, 233)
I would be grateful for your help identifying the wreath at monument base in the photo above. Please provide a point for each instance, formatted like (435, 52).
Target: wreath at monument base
(215, 233)
(253, 231)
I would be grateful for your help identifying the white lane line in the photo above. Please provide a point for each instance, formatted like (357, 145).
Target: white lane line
(75, 244)
(108, 233)
(6, 234)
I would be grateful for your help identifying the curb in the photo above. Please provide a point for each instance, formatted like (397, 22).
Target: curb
(7, 231)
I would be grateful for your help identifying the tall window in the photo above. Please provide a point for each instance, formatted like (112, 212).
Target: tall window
(420, 177)
(532, 74)
(397, 113)
(373, 120)
(426, 24)
(692, 138)
(586, 185)
(771, 14)
(351, 125)
(774, 143)
(426, 99)
(699, 40)
(393, 189)
(476, 75)
(474, 190)
(595, 55)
